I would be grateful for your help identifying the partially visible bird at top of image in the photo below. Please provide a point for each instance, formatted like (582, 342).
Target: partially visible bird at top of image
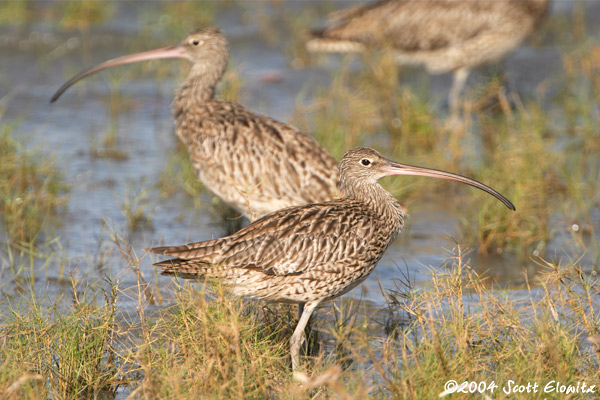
(311, 253)
(442, 35)
(252, 162)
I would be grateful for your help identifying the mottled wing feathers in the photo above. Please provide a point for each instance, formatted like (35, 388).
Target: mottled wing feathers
(311, 171)
(255, 162)
(287, 242)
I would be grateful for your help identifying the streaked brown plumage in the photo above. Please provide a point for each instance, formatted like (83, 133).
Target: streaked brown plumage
(254, 163)
(444, 36)
(311, 253)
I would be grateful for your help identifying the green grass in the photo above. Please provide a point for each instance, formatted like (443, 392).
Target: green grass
(32, 190)
(496, 336)
(136, 204)
(517, 161)
(51, 351)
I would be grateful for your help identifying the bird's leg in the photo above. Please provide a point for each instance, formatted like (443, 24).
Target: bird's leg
(298, 335)
(307, 331)
(458, 84)
(300, 311)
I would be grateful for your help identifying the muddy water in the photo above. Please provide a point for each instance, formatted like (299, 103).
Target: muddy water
(38, 58)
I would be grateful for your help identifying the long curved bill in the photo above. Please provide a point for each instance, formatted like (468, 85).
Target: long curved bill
(395, 168)
(175, 51)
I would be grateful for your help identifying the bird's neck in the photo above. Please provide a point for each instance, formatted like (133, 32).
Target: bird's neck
(198, 87)
(375, 197)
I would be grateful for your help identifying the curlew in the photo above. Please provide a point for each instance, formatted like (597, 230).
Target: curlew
(444, 36)
(311, 253)
(252, 162)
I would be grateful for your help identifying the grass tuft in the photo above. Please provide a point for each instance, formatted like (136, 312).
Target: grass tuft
(32, 190)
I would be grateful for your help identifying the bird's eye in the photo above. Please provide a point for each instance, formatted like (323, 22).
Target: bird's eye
(196, 42)
(365, 162)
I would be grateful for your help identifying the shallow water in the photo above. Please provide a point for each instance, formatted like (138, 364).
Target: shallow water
(38, 58)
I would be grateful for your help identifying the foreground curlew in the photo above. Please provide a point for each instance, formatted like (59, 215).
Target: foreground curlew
(310, 253)
(443, 36)
(252, 162)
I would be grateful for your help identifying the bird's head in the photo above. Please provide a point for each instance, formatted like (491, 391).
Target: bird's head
(203, 45)
(206, 48)
(364, 166)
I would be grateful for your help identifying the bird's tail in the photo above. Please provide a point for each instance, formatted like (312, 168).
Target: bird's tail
(199, 250)
(192, 260)
(187, 269)
(319, 41)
